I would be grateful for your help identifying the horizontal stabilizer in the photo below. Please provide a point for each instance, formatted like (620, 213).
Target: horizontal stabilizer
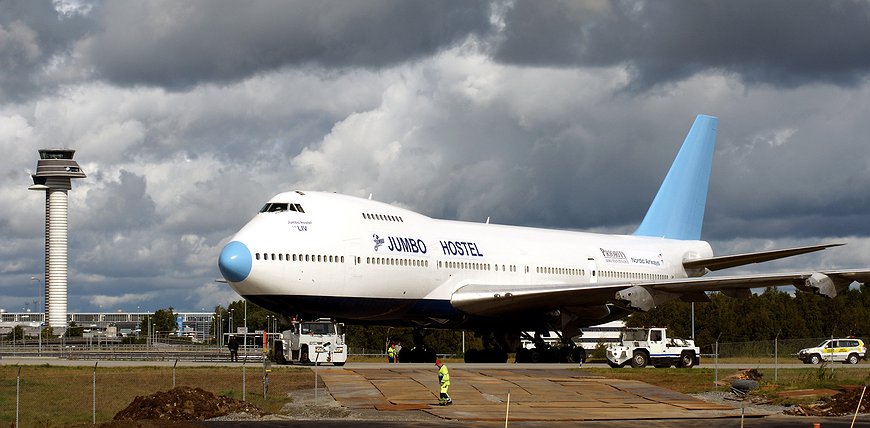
(724, 262)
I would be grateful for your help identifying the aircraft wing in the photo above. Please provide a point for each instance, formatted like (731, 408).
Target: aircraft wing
(496, 300)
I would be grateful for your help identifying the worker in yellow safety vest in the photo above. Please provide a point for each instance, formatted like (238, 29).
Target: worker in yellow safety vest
(444, 382)
(391, 354)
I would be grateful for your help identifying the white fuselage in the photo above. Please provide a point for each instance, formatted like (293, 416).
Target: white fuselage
(354, 259)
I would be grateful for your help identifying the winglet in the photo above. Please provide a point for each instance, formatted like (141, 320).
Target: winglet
(677, 212)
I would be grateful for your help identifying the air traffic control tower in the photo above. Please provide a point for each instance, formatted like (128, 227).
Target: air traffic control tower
(54, 172)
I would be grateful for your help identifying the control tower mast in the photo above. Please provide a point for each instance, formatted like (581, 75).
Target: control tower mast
(54, 172)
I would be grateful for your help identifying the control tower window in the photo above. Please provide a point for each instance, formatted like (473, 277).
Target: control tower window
(56, 154)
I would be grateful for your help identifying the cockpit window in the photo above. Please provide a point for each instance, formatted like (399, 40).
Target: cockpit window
(274, 207)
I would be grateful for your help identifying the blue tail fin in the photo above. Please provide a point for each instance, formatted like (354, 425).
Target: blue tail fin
(677, 212)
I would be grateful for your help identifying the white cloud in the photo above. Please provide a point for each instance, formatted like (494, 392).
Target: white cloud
(127, 299)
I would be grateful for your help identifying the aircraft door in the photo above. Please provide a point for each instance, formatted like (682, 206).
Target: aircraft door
(353, 270)
(592, 270)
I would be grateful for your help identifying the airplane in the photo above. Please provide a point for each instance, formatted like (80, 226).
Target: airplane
(318, 254)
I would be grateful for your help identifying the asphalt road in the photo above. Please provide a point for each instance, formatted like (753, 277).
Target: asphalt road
(183, 363)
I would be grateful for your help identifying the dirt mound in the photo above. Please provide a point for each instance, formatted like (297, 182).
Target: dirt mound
(742, 374)
(749, 374)
(840, 404)
(184, 404)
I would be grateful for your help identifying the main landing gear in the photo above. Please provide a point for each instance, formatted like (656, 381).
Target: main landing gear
(419, 353)
(542, 352)
(494, 350)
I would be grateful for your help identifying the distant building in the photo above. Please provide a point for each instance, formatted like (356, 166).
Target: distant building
(197, 325)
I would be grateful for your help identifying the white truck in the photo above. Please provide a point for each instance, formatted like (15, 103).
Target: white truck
(642, 346)
(312, 342)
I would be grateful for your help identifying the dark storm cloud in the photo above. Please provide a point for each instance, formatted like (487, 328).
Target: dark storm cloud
(32, 35)
(118, 206)
(178, 44)
(785, 43)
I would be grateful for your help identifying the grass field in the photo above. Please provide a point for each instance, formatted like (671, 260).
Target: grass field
(60, 396)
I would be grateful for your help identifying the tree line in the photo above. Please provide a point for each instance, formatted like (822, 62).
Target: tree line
(764, 316)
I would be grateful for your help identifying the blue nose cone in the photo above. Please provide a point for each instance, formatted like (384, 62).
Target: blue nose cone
(235, 261)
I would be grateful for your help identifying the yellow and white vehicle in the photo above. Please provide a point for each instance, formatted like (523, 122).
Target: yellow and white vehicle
(849, 351)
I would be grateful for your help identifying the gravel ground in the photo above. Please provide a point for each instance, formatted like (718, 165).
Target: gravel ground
(304, 407)
(750, 403)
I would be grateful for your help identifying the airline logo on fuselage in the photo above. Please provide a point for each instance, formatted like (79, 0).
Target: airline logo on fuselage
(398, 244)
(614, 256)
(619, 256)
(378, 241)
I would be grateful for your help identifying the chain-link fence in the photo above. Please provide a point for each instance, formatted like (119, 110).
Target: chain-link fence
(761, 351)
(62, 396)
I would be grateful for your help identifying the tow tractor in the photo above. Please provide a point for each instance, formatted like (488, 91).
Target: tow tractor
(312, 342)
(642, 346)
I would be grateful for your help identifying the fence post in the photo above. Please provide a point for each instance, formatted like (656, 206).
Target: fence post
(244, 379)
(316, 357)
(17, 395)
(716, 365)
(95, 393)
(267, 368)
(776, 359)
(173, 373)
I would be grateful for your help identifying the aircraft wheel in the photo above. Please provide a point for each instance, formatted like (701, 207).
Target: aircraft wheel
(578, 355)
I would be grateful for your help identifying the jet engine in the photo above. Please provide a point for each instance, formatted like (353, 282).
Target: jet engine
(821, 284)
(639, 298)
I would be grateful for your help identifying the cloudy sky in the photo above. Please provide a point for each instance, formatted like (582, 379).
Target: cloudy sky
(187, 116)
